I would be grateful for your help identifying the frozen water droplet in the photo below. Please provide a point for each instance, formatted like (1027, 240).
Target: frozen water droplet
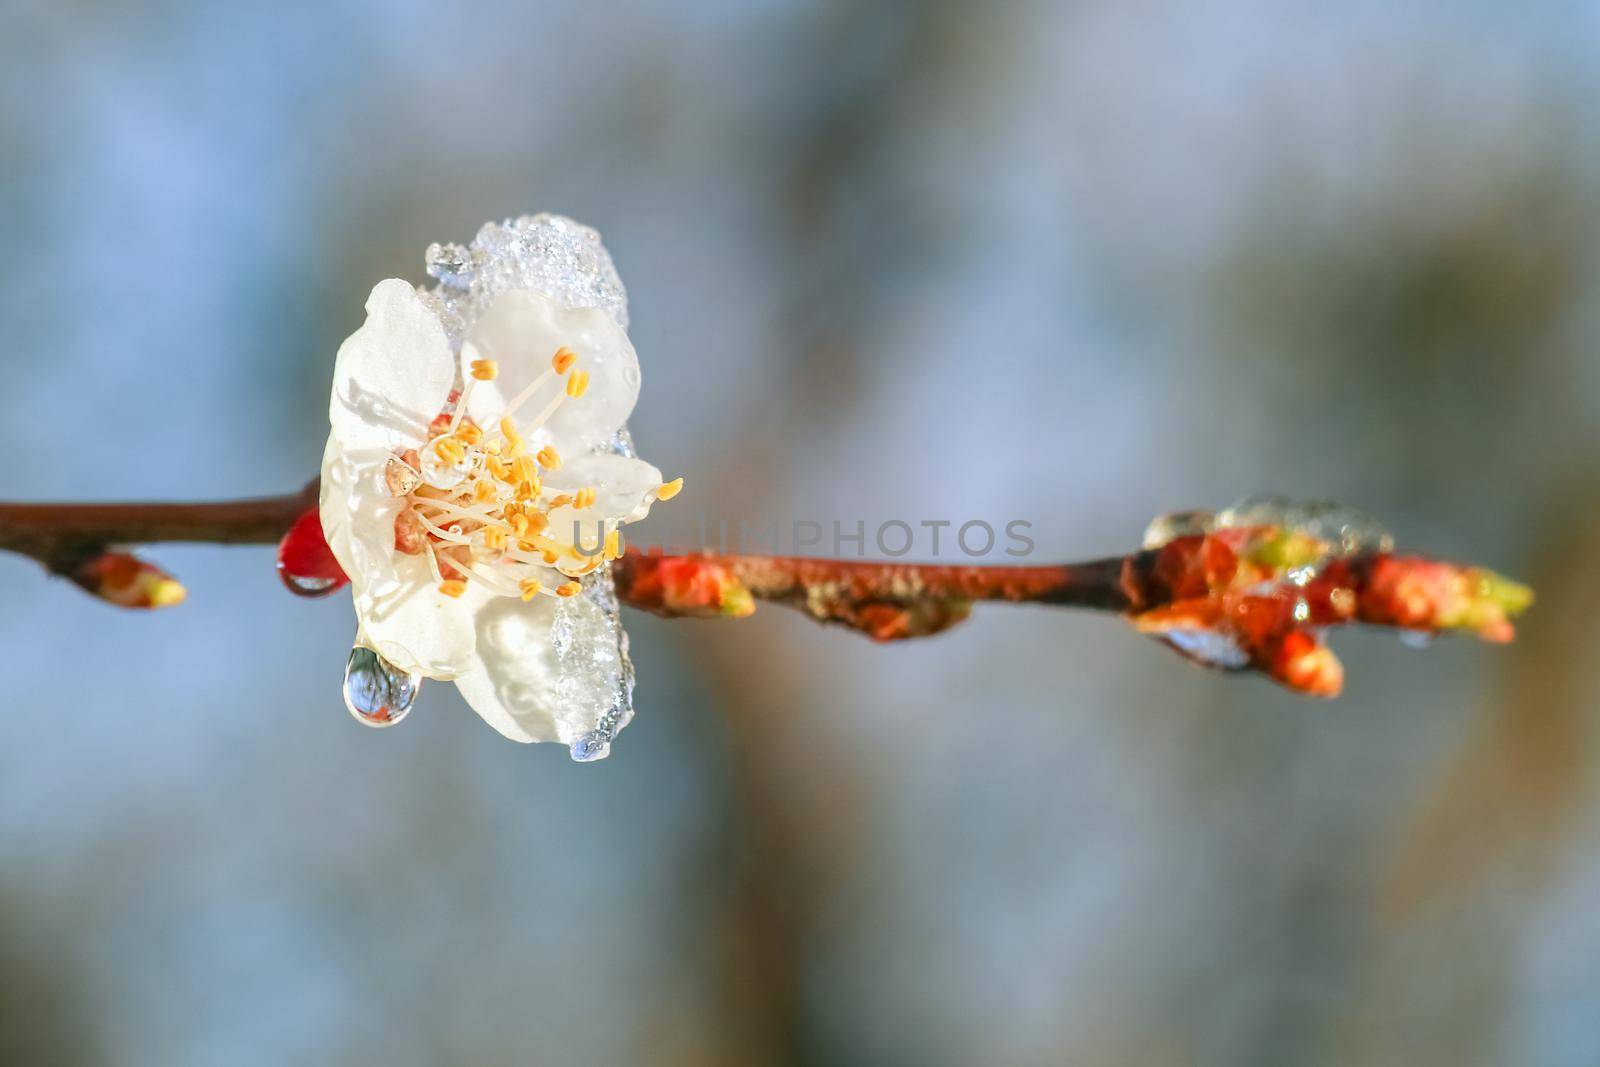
(400, 478)
(1262, 509)
(591, 747)
(307, 585)
(630, 376)
(442, 473)
(376, 691)
(1208, 647)
(1416, 638)
(1347, 530)
(1301, 575)
(1174, 524)
(451, 264)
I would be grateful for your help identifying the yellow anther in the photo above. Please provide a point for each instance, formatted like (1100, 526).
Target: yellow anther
(527, 546)
(519, 523)
(452, 587)
(508, 430)
(549, 458)
(530, 588)
(568, 589)
(578, 383)
(537, 521)
(485, 370)
(494, 538)
(613, 544)
(670, 489)
(527, 492)
(550, 557)
(583, 498)
(525, 469)
(561, 501)
(498, 467)
(469, 432)
(450, 450)
(493, 448)
(563, 360)
(483, 492)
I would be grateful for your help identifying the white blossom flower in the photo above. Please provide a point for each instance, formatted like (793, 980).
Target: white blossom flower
(468, 490)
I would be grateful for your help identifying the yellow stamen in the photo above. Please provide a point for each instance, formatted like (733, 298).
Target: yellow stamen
(494, 538)
(670, 489)
(537, 521)
(563, 359)
(498, 467)
(519, 523)
(613, 544)
(469, 433)
(550, 557)
(531, 588)
(583, 498)
(561, 501)
(549, 458)
(452, 587)
(578, 383)
(483, 492)
(568, 589)
(508, 430)
(450, 450)
(485, 370)
(525, 469)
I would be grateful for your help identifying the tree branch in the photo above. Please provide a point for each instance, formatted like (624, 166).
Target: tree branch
(1241, 598)
(61, 536)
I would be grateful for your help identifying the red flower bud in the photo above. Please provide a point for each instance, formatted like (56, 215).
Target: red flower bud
(305, 562)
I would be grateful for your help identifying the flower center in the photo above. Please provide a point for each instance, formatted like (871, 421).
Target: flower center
(476, 502)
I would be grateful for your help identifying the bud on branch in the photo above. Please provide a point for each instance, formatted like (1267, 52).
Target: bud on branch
(1245, 598)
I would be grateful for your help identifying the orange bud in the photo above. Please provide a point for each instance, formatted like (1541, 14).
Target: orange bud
(128, 582)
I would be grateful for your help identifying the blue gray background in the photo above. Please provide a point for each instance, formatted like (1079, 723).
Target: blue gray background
(1075, 263)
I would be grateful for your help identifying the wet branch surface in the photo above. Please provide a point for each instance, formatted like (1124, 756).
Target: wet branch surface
(1242, 598)
(64, 536)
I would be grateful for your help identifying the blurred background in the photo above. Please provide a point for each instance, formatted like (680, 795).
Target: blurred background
(1076, 263)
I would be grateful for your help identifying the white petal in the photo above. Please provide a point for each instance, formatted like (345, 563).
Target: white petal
(392, 375)
(521, 332)
(418, 628)
(624, 490)
(358, 514)
(624, 486)
(525, 685)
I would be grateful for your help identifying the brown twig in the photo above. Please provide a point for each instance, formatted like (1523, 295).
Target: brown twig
(884, 599)
(61, 536)
(1253, 598)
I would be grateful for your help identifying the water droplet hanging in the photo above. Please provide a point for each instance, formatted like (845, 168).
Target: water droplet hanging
(376, 691)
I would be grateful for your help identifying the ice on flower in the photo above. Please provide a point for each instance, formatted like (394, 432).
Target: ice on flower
(478, 473)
